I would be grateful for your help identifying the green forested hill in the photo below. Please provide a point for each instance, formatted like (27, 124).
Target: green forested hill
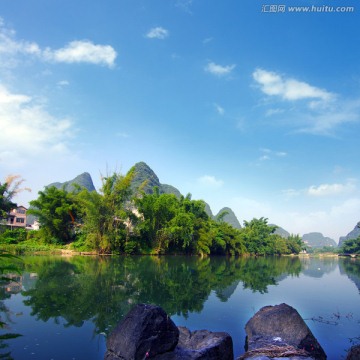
(318, 240)
(229, 218)
(147, 179)
(280, 231)
(353, 234)
(145, 175)
(84, 180)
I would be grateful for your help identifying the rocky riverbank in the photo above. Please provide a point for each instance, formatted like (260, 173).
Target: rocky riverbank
(274, 332)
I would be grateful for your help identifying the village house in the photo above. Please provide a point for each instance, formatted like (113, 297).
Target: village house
(17, 217)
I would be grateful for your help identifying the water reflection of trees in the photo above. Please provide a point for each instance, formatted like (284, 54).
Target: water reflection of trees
(104, 289)
(351, 267)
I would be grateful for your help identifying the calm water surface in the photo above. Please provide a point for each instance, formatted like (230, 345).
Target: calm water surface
(65, 307)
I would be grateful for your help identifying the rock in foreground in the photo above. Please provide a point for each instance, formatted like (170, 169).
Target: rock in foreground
(204, 344)
(279, 331)
(147, 332)
(354, 353)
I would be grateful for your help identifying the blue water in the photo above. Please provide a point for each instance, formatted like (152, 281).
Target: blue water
(65, 308)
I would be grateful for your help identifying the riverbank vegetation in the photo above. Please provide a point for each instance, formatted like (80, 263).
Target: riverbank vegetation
(121, 219)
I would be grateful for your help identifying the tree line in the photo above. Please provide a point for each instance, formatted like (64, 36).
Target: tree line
(121, 220)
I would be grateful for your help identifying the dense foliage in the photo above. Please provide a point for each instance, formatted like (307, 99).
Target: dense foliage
(121, 219)
(351, 246)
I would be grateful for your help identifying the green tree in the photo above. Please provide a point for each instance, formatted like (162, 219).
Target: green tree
(107, 216)
(226, 239)
(57, 212)
(295, 244)
(156, 212)
(257, 236)
(8, 190)
(197, 239)
(351, 246)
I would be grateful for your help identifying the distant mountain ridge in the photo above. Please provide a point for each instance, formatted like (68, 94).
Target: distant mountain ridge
(84, 180)
(145, 177)
(353, 234)
(318, 240)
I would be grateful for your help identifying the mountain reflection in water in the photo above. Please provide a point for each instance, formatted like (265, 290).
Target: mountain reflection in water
(85, 297)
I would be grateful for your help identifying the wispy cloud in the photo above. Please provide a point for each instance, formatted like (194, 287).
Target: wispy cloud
(123, 135)
(219, 70)
(208, 40)
(184, 5)
(157, 33)
(79, 51)
(323, 190)
(210, 181)
(268, 154)
(290, 89)
(219, 109)
(36, 131)
(332, 189)
(326, 218)
(313, 110)
(272, 112)
(63, 83)
(324, 121)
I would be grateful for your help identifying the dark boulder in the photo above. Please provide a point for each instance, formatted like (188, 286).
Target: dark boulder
(280, 330)
(145, 331)
(354, 353)
(204, 344)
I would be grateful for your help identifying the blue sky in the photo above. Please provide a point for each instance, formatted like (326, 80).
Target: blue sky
(237, 105)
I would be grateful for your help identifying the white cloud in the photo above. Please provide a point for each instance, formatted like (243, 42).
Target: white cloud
(324, 121)
(323, 190)
(290, 193)
(122, 135)
(249, 208)
(335, 221)
(319, 113)
(272, 112)
(264, 158)
(331, 189)
(185, 5)
(219, 70)
(273, 84)
(268, 154)
(28, 130)
(220, 110)
(62, 83)
(11, 49)
(82, 51)
(157, 33)
(208, 40)
(210, 181)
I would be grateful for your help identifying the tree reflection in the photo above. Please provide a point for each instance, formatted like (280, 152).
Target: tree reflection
(104, 289)
(351, 267)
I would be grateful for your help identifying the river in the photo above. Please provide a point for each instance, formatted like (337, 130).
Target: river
(64, 307)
